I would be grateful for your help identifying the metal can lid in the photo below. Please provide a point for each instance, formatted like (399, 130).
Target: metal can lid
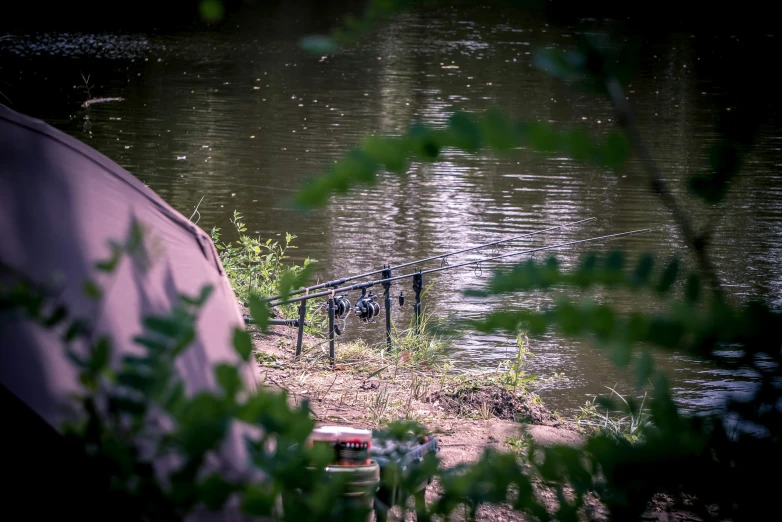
(337, 433)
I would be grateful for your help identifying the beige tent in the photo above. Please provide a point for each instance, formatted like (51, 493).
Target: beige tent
(61, 203)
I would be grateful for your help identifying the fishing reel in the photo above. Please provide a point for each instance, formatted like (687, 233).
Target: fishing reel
(366, 307)
(341, 311)
(341, 306)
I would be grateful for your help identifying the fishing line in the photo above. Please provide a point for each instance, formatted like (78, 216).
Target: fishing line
(276, 301)
(337, 282)
(218, 182)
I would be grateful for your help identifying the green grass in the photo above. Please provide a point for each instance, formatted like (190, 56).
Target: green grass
(627, 423)
(521, 446)
(423, 347)
(513, 374)
(423, 352)
(257, 267)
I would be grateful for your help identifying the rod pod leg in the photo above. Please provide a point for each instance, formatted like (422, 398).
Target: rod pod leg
(387, 287)
(418, 285)
(300, 338)
(331, 331)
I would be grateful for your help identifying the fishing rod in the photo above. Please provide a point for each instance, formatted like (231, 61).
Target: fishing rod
(368, 284)
(337, 282)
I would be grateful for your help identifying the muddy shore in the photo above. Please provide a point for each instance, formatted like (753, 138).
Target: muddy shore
(365, 390)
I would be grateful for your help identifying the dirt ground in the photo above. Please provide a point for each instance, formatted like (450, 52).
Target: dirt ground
(466, 421)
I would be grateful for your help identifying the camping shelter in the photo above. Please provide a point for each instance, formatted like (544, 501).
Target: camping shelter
(61, 203)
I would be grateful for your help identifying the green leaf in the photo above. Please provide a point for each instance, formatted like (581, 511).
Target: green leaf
(585, 275)
(215, 490)
(92, 289)
(391, 152)
(615, 262)
(293, 279)
(542, 137)
(725, 162)
(260, 312)
(464, 132)
(603, 321)
(578, 145)
(154, 345)
(110, 264)
(183, 489)
(243, 343)
(508, 321)
(227, 376)
(89, 381)
(175, 398)
(376, 372)
(198, 301)
(185, 339)
(319, 44)
(119, 454)
(664, 332)
(637, 327)
(211, 11)
(271, 411)
(101, 354)
(567, 66)
(77, 328)
(424, 142)
(569, 319)
(57, 316)
(669, 275)
(645, 368)
(135, 380)
(127, 405)
(166, 326)
(257, 501)
(692, 291)
(77, 361)
(202, 424)
(498, 131)
(643, 270)
(616, 150)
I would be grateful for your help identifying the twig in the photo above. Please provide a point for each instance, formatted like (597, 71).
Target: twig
(93, 101)
(660, 187)
(330, 387)
(196, 212)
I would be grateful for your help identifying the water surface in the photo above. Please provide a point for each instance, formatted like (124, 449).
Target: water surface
(239, 116)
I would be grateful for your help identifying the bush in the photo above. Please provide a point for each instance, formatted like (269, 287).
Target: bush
(257, 269)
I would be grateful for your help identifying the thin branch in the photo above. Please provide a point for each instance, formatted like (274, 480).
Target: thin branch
(660, 187)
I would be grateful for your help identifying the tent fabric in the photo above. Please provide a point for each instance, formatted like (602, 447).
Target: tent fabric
(61, 203)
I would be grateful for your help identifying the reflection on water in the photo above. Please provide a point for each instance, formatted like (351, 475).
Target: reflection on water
(240, 116)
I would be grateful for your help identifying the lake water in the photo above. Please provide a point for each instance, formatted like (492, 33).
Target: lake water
(238, 115)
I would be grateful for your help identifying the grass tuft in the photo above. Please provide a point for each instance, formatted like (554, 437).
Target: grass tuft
(626, 423)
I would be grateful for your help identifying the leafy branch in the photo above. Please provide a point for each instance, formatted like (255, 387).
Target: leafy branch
(491, 130)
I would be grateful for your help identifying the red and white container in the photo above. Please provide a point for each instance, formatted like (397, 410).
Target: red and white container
(351, 445)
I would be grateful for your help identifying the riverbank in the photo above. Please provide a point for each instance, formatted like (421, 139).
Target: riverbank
(368, 388)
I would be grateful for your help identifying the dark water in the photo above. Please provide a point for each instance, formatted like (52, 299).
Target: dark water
(240, 116)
